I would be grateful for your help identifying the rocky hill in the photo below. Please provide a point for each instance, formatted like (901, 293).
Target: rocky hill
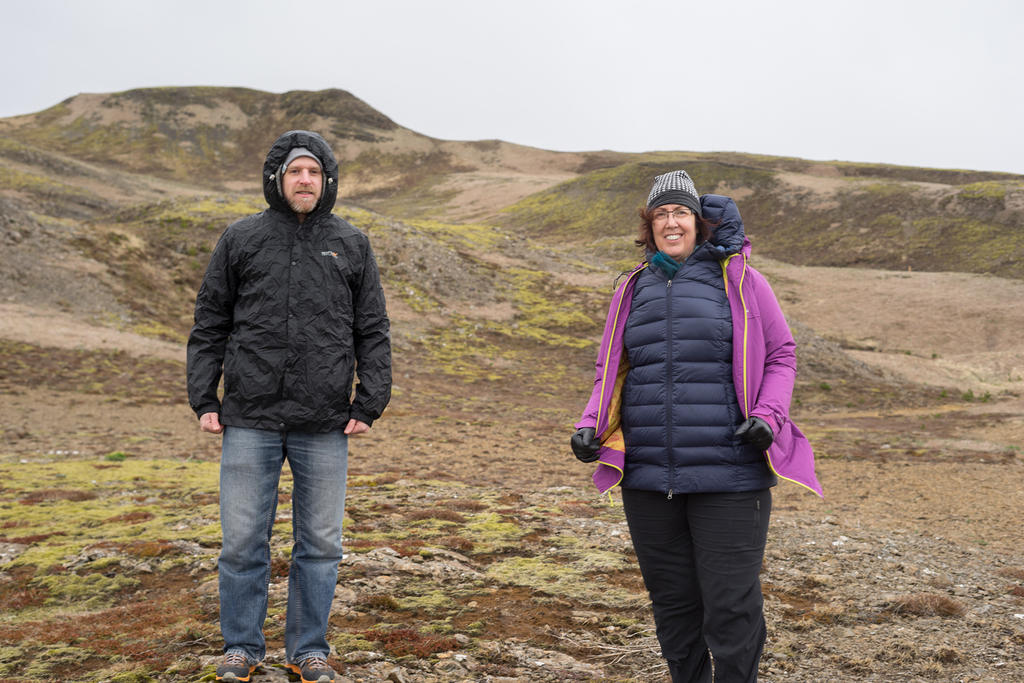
(214, 138)
(476, 550)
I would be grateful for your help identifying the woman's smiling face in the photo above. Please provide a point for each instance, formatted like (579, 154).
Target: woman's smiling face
(675, 230)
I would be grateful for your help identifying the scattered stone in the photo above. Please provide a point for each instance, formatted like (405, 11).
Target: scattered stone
(361, 657)
(585, 617)
(271, 674)
(449, 666)
(384, 563)
(397, 676)
(9, 551)
(209, 588)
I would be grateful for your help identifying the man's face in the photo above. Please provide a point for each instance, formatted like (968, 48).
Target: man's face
(302, 184)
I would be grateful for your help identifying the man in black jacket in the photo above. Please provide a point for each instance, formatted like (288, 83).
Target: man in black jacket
(289, 310)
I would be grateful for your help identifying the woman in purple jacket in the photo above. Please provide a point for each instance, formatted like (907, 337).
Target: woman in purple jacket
(690, 415)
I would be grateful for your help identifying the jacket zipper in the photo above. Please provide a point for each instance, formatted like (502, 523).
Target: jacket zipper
(668, 380)
(289, 320)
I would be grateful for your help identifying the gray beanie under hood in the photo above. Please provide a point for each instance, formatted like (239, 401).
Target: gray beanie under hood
(294, 154)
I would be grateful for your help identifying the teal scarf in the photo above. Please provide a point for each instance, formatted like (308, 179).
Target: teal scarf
(666, 263)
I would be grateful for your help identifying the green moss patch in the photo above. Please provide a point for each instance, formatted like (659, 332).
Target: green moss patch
(84, 592)
(87, 510)
(572, 580)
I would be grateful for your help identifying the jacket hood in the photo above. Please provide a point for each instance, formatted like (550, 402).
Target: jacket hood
(727, 237)
(279, 151)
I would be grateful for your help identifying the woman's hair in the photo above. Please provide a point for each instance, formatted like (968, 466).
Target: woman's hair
(645, 231)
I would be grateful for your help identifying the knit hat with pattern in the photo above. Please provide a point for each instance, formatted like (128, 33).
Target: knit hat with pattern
(674, 187)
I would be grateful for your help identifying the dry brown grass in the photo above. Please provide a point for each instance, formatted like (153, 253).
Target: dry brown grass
(401, 642)
(579, 509)
(380, 601)
(459, 543)
(437, 513)
(49, 495)
(928, 605)
(132, 517)
(462, 504)
(1012, 573)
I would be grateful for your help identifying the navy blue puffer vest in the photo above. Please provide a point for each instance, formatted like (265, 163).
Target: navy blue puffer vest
(679, 404)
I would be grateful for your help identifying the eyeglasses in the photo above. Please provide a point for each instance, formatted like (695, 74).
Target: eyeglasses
(661, 216)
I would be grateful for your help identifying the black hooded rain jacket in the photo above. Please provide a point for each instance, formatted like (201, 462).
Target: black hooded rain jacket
(290, 311)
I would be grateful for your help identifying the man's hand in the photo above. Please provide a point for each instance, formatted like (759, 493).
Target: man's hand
(584, 445)
(756, 432)
(210, 422)
(354, 426)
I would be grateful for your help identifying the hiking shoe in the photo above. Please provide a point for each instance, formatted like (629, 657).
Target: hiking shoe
(235, 667)
(313, 669)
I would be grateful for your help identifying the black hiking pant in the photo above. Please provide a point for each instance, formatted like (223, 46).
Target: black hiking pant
(700, 556)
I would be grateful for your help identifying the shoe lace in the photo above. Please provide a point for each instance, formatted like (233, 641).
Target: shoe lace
(233, 658)
(314, 662)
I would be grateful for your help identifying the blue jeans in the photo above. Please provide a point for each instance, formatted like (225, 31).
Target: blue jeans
(250, 469)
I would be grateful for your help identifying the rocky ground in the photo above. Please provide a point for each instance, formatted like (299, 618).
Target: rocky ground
(476, 550)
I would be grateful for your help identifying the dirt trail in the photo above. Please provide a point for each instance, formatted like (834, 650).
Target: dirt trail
(48, 327)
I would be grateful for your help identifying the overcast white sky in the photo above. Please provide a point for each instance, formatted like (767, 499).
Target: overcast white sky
(917, 82)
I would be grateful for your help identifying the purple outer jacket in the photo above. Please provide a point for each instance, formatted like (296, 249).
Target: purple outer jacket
(764, 369)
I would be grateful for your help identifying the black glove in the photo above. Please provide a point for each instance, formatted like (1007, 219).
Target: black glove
(584, 445)
(756, 432)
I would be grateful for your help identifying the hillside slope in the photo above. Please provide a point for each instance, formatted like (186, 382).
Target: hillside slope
(809, 213)
(94, 152)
